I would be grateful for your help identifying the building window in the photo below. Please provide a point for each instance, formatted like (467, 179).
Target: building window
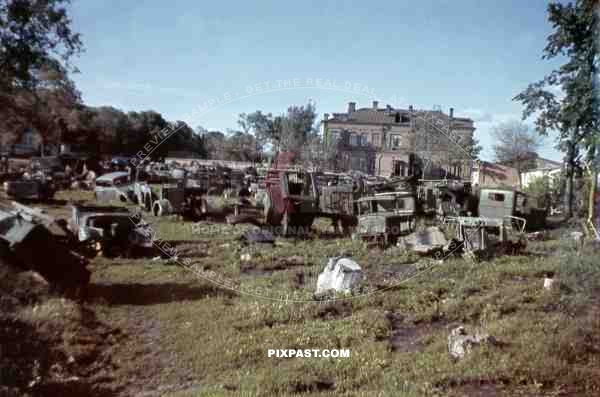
(495, 196)
(363, 140)
(399, 168)
(395, 141)
(28, 139)
(335, 136)
(353, 140)
(376, 139)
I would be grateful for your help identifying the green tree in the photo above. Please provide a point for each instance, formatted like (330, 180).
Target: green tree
(575, 115)
(265, 127)
(35, 36)
(516, 145)
(287, 132)
(36, 45)
(241, 146)
(548, 189)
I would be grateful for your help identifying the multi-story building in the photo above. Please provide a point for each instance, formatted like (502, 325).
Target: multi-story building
(399, 142)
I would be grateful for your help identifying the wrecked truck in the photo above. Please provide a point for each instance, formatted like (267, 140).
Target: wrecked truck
(499, 203)
(27, 241)
(480, 237)
(386, 216)
(111, 230)
(38, 187)
(294, 198)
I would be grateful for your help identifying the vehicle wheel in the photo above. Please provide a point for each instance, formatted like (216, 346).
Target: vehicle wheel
(285, 224)
(148, 202)
(411, 225)
(199, 208)
(343, 225)
(160, 208)
(308, 224)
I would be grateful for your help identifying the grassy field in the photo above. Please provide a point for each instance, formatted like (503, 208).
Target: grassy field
(182, 335)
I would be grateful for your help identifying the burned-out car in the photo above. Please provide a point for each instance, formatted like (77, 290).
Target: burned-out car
(37, 187)
(112, 186)
(26, 240)
(113, 230)
(386, 216)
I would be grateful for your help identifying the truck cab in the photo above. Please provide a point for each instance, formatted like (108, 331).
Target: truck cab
(385, 216)
(498, 203)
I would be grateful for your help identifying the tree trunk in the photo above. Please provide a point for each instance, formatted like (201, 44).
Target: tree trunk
(592, 195)
(570, 175)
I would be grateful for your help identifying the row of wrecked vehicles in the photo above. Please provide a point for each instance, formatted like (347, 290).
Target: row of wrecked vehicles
(288, 201)
(386, 211)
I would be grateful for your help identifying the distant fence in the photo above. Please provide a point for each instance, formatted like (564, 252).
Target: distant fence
(238, 165)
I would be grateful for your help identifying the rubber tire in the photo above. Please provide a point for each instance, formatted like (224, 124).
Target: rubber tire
(343, 225)
(285, 224)
(160, 208)
(199, 208)
(148, 202)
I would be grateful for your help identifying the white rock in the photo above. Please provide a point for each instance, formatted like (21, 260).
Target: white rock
(460, 342)
(340, 275)
(245, 257)
(549, 283)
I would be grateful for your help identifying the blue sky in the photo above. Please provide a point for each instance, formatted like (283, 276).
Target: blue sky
(174, 56)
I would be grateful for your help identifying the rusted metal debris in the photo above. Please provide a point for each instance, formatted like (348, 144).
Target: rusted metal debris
(485, 237)
(425, 242)
(26, 241)
(111, 230)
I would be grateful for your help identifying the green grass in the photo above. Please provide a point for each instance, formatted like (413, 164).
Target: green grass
(213, 341)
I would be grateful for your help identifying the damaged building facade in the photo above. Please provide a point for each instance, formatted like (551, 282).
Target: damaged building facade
(399, 142)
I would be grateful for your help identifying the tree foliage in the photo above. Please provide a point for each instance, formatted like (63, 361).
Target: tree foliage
(575, 115)
(287, 132)
(548, 189)
(35, 36)
(516, 145)
(36, 45)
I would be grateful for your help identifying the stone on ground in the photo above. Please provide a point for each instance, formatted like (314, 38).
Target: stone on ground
(340, 274)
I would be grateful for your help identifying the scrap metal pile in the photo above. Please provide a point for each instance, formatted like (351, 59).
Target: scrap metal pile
(385, 211)
(376, 209)
(58, 249)
(33, 241)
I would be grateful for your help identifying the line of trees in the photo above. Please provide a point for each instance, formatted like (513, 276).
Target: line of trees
(37, 44)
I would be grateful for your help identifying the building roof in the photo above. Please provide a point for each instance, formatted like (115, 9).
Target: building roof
(386, 116)
(367, 116)
(546, 164)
